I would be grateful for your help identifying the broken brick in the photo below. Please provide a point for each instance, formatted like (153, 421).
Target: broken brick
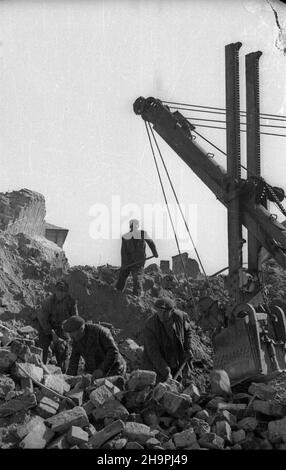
(59, 443)
(184, 439)
(100, 437)
(175, 404)
(202, 414)
(247, 424)
(193, 391)
(110, 409)
(26, 401)
(76, 397)
(139, 379)
(211, 441)
(138, 432)
(35, 372)
(65, 419)
(223, 430)
(6, 385)
(100, 395)
(262, 391)
(159, 390)
(152, 443)
(199, 426)
(36, 350)
(169, 445)
(134, 445)
(47, 407)
(88, 407)
(120, 443)
(37, 438)
(76, 435)
(238, 436)
(56, 383)
(269, 408)
(220, 383)
(24, 429)
(277, 430)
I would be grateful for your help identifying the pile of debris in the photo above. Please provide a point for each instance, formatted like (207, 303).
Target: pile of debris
(42, 408)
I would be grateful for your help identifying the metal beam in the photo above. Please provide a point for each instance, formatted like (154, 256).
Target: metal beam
(233, 166)
(253, 141)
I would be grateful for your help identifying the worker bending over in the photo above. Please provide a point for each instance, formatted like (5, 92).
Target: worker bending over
(95, 344)
(133, 251)
(167, 340)
(55, 310)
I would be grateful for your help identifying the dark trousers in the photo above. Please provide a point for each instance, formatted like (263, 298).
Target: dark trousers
(137, 275)
(62, 354)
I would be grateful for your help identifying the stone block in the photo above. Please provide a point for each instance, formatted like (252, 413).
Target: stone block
(152, 443)
(202, 414)
(65, 419)
(159, 391)
(56, 383)
(100, 437)
(52, 369)
(21, 350)
(47, 407)
(223, 430)
(185, 438)
(24, 429)
(27, 384)
(220, 383)
(237, 447)
(138, 432)
(234, 408)
(133, 400)
(277, 430)
(37, 438)
(35, 372)
(169, 445)
(88, 407)
(110, 385)
(238, 436)
(247, 424)
(6, 385)
(59, 443)
(134, 445)
(7, 359)
(76, 436)
(110, 409)
(76, 396)
(199, 426)
(269, 408)
(25, 402)
(27, 330)
(119, 444)
(211, 441)
(225, 415)
(215, 403)
(139, 379)
(262, 391)
(193, 391)
(175, 404)
(100, 395)
(90, 429)
(193, 410)
(132, 352)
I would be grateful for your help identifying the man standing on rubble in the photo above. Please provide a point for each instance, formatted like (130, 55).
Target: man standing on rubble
(133, 254)
(55, 310)
(167, 340)
(95, 344)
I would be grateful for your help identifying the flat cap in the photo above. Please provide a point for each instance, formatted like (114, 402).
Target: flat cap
(73, 324)
(164, 303)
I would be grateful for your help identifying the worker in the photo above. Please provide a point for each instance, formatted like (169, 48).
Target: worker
(95, 344)
(55, 309)
(167, 340)
(133, 257)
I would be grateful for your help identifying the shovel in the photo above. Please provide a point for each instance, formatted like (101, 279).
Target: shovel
(127, 266)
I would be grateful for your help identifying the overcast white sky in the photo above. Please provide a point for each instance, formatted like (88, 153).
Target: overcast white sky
(70, 72)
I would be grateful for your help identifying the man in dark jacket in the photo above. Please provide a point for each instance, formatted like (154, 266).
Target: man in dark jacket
(97, 347)
(167, 340)
(133, 250)
(55, 309)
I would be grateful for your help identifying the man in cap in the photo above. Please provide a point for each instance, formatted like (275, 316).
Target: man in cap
(133, 254)
(167, 340)
(55, 309)
(95, 344)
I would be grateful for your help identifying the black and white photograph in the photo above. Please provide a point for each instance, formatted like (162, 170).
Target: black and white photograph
(143, 229)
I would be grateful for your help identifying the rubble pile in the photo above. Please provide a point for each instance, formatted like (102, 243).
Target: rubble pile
(42, 408)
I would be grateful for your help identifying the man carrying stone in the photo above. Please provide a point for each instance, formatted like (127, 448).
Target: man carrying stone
(133, 252)
(95, 344)
(55, 310)
(167, 340)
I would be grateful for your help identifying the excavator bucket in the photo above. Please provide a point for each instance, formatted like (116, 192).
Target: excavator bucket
(253, 344)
